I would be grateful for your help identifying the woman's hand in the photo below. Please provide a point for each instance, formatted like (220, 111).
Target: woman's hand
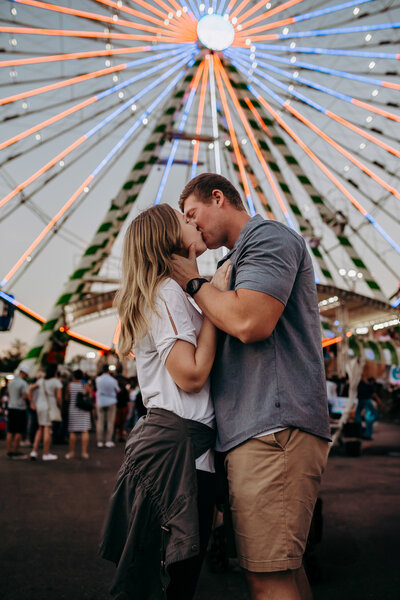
(222, 276)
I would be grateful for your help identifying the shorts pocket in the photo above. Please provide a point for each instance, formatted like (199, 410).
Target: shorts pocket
(282, 438)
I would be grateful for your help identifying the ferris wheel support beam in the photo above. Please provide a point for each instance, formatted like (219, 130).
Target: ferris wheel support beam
(217, 155)
(268, 13)
(330, 51)
(199, 121)
(103, 240)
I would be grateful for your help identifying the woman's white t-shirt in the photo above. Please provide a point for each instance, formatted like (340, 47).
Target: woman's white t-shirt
(157, 386)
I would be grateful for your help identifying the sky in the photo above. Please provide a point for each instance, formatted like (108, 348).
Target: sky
(40, 282)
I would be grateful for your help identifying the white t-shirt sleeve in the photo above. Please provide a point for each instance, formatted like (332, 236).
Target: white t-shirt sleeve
(162, 330)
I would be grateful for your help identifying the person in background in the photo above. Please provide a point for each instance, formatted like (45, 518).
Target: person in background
(366, 396)
(106, 406)
(122, 405)
(133, 390)
(17, 413)
(49, 392)
(79, 421)
(33, 424)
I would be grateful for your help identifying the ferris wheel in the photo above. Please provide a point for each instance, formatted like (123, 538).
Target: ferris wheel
(110, 106)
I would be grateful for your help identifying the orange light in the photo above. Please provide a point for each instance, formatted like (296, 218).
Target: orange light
(239, 8)
(258, 117)
(267, 14)
(96, 34)
(329, 341)
(60, 84)
(203, 90)
(47, 229)
(42, 170)
(313, 157)
(249, 32)
(230, 126)
(46, 123)
(117, 333)
(71, 56)
(376, 109)
(92, 16)
(84, 339)
(345, 153)
(363, 133)
(139, 14)
(349, 334)
(253, 140)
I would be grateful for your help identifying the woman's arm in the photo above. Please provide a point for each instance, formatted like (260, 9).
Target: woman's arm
(188, 366)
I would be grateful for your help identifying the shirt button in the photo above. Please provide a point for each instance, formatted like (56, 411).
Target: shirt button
(195, 547)
(277, 404)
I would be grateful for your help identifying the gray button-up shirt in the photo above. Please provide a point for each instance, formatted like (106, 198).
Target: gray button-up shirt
(278, 382)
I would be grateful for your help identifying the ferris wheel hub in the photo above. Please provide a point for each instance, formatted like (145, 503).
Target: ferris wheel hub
(215, 32)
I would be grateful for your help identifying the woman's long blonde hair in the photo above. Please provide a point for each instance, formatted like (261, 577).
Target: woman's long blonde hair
(149, 243)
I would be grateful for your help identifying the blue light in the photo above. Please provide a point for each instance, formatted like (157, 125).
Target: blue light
(330, 9)
(334, 52)
(318, 32)
(137, 123)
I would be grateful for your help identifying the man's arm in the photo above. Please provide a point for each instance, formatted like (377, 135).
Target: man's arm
(247, 315)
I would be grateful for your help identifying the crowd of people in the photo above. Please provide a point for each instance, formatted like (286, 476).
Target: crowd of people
(50, 410)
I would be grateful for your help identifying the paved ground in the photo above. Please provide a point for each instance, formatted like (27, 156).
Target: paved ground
(51, 515)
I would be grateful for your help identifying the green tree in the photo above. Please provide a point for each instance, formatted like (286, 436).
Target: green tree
(10, 359)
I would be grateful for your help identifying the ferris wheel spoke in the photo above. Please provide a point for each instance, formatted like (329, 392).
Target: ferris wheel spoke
(192, 89)
(290, 89)
(322, 166)
(176, 53)
(100, 125)
(199, 121)
(213, 102)
(115, 20)
(327, 213)
(265, 15)
(294, 49)
(327, 70)
(84, 186)
(338, 147)
(319, 32)
(139, 14)
(80, 55)
(303, 17)
(232, 134)
(99, 35)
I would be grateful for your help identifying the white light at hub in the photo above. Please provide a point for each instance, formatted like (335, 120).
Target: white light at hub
(215, 32)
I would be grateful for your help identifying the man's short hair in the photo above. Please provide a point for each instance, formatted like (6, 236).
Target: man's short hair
(202, 188)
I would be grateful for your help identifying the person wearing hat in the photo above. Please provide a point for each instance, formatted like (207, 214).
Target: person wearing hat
(17, 413)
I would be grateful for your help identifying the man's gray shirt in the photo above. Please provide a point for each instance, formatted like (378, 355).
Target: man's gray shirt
(278, 382)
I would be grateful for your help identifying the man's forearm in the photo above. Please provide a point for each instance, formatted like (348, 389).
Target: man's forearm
(222, 308)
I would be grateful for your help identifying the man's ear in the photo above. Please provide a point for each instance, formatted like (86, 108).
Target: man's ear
(219, 197)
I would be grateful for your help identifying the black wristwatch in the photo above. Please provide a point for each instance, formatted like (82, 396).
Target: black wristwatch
(195, 284)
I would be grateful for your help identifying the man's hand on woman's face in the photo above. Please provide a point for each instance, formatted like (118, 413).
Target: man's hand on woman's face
(222, 276)
(185, 269)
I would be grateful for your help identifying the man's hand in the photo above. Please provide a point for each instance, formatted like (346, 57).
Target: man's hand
(185, 269)
(222, 276)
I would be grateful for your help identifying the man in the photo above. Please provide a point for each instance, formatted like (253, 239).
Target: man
(366, 396)
(268, 382)
(106, 405)
(17, 413)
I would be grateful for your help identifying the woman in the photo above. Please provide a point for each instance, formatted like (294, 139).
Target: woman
(79, 421)
(162, 505)
(49, 394)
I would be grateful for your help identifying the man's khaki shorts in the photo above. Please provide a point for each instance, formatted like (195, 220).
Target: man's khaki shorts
(273, 486)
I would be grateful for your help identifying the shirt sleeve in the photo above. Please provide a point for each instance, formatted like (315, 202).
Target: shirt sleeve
(269, 262)
(162, 330)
